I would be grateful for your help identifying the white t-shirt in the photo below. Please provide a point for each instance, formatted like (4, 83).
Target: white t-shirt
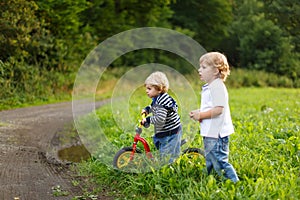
(213, 95)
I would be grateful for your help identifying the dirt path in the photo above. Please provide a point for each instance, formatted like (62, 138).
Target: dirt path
(25, 148)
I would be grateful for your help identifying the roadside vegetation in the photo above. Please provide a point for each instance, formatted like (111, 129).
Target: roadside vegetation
(43, 87)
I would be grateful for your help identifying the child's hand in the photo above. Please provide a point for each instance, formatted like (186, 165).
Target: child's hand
(195, 115)
(143, 121)
(144, 112)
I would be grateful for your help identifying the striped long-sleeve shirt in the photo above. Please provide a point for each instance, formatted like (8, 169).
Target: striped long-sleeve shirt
(164, 115)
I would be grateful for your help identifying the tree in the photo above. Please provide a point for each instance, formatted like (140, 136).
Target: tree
(104, 18)
(67, 44)
(207, 19)
(285, 14)
(262, 44)
(20, 30)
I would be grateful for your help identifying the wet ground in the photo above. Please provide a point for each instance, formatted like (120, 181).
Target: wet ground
(33, 162)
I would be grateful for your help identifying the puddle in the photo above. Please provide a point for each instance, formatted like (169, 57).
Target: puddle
(76, 153)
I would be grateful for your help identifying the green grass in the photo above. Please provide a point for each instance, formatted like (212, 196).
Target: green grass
(265, 150)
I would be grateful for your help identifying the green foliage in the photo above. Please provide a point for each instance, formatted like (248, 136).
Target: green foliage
(20, 30)
(265, 151)
(106, 18)
(263, 45)
(207, 19)
(43, 43)
(254, 78)
(57, 191)
(286, 14)
(25, 84)
(67, 44)
(61, 17)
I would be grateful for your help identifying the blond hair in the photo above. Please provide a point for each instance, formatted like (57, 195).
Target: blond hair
(217, 60)
(159, 80)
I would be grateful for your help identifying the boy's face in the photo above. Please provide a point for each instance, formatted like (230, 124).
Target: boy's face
(207, 73)
(151, 91)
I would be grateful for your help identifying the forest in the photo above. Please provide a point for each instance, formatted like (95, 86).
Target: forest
(43, 43)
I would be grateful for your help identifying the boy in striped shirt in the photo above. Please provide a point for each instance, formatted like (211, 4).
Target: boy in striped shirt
(165, 118)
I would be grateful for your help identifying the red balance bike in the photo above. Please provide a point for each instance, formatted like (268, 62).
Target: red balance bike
(134, 157)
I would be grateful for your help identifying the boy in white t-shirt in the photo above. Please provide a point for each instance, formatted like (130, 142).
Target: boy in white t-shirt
(214, 114)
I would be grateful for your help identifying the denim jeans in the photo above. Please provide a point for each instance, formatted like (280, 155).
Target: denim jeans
(169, 146)
(216, 156)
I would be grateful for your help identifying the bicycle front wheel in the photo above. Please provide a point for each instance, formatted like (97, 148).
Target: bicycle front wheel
(122, 158)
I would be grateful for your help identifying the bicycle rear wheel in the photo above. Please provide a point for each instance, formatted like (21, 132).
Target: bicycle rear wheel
(194, 153)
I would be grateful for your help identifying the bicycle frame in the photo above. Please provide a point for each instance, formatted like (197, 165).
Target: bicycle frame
(138, 138)
(127, 154)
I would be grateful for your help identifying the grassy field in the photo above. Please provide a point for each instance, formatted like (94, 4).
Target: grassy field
(265, 150)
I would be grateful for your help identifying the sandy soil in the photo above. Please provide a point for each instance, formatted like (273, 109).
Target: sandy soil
(29, 168)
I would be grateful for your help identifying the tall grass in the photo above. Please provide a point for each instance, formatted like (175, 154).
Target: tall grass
(265, 151)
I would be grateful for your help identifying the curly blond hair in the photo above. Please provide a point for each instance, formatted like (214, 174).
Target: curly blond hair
(217, 60)
(158, 80)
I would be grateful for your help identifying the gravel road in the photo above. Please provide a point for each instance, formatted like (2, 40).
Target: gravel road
(28, 166)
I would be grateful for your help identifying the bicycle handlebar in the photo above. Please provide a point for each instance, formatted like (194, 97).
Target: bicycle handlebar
(143, 115)
(146, 124)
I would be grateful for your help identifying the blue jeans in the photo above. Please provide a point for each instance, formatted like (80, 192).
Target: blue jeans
(169, 146)
(216, 156)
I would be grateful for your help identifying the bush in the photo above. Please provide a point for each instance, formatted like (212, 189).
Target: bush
(254, 78)
(262, 44)
(23, 84)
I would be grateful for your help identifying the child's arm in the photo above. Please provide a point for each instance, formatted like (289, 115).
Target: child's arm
(214, 112)
(199, 116)
(146, 110)
(158, 119)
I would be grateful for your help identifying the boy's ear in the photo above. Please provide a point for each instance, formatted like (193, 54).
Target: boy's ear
(160, 89)
(216, 71)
